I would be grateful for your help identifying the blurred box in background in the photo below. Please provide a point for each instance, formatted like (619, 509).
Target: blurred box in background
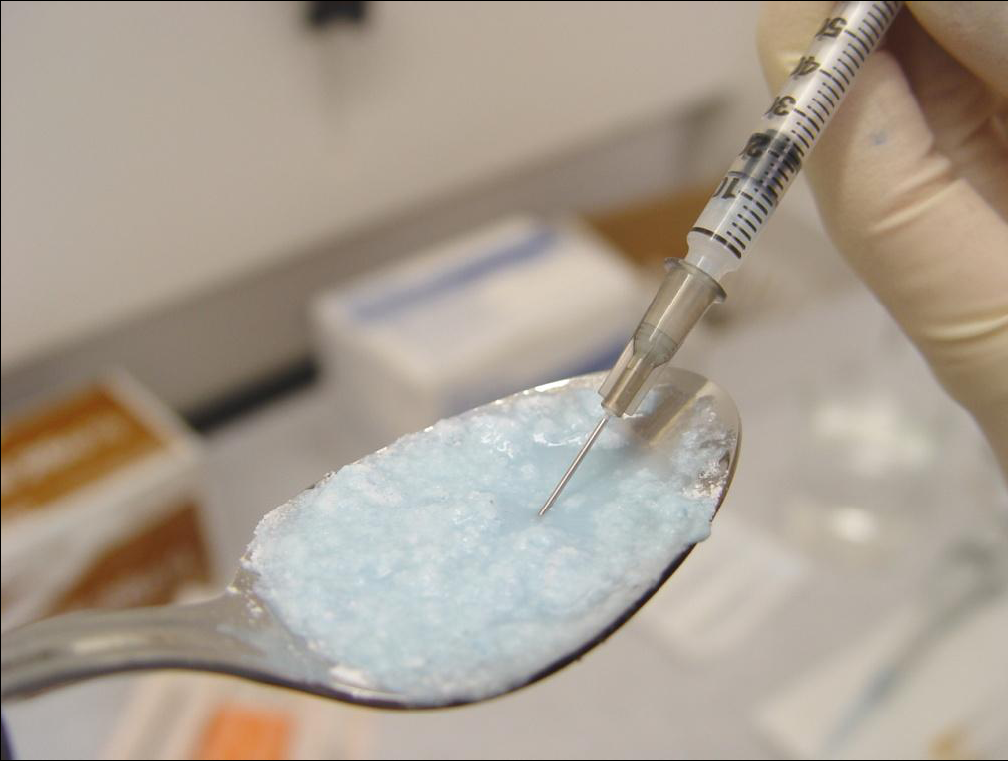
(648, 230)
(100, 503)
(512, 305)
(184, 715)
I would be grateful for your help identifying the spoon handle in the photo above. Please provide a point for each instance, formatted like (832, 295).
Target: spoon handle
(79, 646)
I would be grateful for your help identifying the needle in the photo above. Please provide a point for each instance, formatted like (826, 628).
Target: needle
(574, 465)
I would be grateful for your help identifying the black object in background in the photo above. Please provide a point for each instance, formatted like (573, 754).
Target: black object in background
(6, 752)
(322, 13)
(253, 395)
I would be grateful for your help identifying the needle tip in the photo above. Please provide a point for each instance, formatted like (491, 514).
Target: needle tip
(574, 465)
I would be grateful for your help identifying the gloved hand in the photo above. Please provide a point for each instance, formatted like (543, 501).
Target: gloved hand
(911, 180)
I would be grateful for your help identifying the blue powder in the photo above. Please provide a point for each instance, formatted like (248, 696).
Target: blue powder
(423, 569)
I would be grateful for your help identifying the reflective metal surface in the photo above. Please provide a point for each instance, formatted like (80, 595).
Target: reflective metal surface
(236, 633)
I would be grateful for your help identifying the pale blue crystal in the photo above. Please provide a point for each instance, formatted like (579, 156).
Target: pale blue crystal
(425, 568)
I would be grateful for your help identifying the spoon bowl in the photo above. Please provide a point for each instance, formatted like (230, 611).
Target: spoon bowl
(238, 634)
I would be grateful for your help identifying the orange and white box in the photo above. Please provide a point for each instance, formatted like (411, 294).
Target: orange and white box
(100, 504)
(180, 715)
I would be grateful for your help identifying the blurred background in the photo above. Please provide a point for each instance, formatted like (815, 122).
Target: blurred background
(244, 244)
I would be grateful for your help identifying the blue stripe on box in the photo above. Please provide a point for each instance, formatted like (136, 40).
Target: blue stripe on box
(404, 298)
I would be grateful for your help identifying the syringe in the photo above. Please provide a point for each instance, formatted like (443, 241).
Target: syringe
(742, 203)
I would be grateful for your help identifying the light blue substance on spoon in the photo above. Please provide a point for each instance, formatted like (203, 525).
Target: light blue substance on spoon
(423, 568)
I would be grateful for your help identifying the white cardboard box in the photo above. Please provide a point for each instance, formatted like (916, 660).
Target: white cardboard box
(512, 305)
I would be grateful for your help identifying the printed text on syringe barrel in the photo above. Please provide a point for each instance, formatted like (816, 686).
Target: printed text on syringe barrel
(747, 195)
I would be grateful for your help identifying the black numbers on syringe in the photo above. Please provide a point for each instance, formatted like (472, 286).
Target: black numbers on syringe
(806, 65)
(781, 106)
(764, 167)
(729, 184)
(831, 27)
(756, 145)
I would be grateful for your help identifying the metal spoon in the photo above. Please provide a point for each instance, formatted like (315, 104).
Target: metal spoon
(237, 634)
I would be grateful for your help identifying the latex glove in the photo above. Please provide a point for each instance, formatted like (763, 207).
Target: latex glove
(911, 180)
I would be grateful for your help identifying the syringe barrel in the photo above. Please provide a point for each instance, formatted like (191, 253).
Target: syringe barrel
(748, 194)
